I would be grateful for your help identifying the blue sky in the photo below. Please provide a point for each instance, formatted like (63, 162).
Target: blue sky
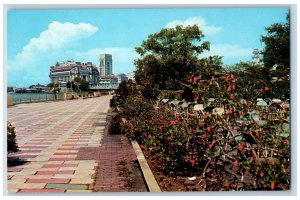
(36, 39)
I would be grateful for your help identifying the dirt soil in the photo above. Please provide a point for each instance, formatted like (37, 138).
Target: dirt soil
(169, 183)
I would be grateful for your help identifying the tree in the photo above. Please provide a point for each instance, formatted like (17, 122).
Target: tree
(52, 85)
(277, 45)
(250, 78)
(78, 83)
(169, 56)
(276, 57)
(125, 89)
(84, 85)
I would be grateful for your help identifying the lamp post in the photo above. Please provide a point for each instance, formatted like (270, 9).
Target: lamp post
(71, 87)
(71, 75)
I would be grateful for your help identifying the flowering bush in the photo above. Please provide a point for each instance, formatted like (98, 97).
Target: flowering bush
(168, 94)
(135, 104)
(229, 151)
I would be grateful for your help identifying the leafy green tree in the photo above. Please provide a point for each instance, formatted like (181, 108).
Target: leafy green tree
(250, 79)
(125, 89)
(276, 57)
(277, 45)
(52, 85)
(78, 83)
(150, 91)
(70, 84)
(84, 85)
(169, 56)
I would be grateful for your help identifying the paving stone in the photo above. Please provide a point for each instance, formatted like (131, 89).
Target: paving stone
(59, 165)
(86, 167)
(79, 191)
(22, 173)
(26, 185)
(81, 161)
(29, 166)
(31, 176)
(84, 176)
(67, 186)
(42, 190)
(40, 158)
(58, 159)
(10, 169)
(65, 172)
(12, 190)
(81, 181)
(47, 162)
(52, 180)
(15, 181)
(68, 168)
(40, 169)
(51, 166)
(59, 156)
(85, 172)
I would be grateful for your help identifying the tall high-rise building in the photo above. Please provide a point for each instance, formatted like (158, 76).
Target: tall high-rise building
(256, 56)
(105, 67)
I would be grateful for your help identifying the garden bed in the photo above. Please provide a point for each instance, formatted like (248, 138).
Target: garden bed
(171, 183)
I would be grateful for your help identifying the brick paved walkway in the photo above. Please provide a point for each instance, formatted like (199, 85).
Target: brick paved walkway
(62, 142)
(114, 149)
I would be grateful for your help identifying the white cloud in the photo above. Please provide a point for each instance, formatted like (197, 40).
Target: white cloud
(199, 21)
(231, 53)
(31, 62)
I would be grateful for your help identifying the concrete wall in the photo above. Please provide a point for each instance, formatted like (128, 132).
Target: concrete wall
(68, 96)
(9, 101)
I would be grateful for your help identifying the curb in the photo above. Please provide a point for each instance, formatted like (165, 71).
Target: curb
(147, 173)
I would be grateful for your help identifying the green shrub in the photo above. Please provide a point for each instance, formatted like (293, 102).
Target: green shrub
(169, 94)
(11, 139)
(125, 89)
(116, 124)
(135, 105)
(150, 91)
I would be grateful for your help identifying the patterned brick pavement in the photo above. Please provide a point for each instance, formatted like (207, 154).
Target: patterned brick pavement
(114, 150)
(64, 147)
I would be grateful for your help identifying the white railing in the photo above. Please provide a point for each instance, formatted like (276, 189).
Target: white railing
(105, 86)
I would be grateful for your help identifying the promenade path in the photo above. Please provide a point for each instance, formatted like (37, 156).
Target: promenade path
(62, 144)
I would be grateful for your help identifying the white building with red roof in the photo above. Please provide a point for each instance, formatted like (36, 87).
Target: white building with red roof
(67, 71)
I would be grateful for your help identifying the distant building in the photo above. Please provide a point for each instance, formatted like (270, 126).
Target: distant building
(256, 56)
(105, 67)
(11, 89)
(108, 79)
(130, 75)
(122, 77)
(63, 72)
(39, 88)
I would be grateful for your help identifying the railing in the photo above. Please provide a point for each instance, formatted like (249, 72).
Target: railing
(105, 86)
(35, 97)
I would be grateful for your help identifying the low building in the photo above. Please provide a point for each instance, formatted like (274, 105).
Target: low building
(63, 72)
(122, 77)
(11, 89)
(40, 88)
(108, 79)
(130, 76)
